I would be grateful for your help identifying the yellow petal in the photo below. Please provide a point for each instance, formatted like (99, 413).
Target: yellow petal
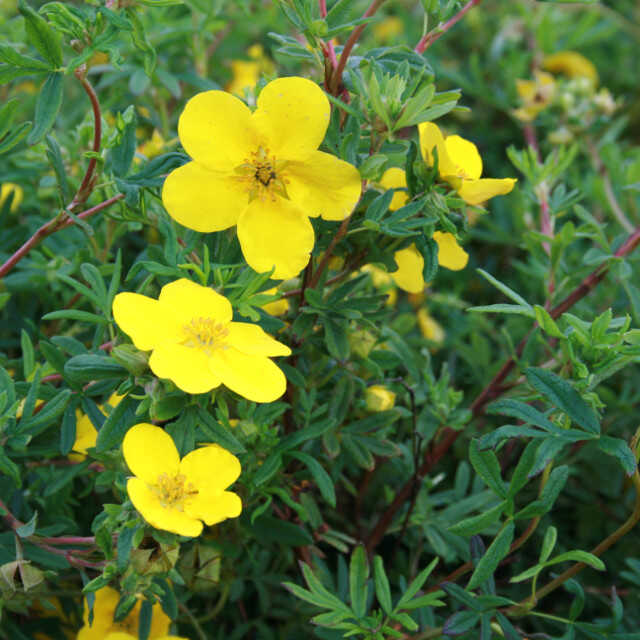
(104, 606)
(477, 191)
(254, 377)
(211, 468)
(149, 451)
(252, 340)
(187, 299)
(215, 130)
(324, 185)
(450, 254)
(275, 233)
(86, 434)
(144, 320)
(431, 137)
(187, 367)
(214, 508)
(119, 635)
(6, 190)
(277, 307)
(395, 178)
(572, 64)
(410, 266)
(293, 115)
(429, 328)
(203, 200)
(464, 154)
(165, 518)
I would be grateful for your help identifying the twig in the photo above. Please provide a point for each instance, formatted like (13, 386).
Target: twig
(342, 231)
(429, 38)
(336, 78)
(193, 620)
(491, 391)
(59, 222)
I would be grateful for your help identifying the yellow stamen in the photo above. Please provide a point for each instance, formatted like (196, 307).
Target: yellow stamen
(205, 333)
(172, 491)
(262, 175)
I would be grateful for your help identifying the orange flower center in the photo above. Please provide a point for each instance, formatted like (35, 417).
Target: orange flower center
(204, 333)
(172, 491)
(262, 175)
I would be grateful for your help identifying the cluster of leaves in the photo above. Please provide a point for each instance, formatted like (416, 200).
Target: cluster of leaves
(384, 515)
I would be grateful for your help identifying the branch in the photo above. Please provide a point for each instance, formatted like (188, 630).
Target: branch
(429, 38)
(491, 391)
(336, 78)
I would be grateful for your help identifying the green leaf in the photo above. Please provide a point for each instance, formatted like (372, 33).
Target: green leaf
(460, 623)
(9, 55)
(510, 293)
(68, 429)
(523, 469)
(51, 410)
(487, 467)
(547, 323)
(55, 158)
(13, 138)
(491, 559)
(88, 366)
(383, 591)
(416, 584)
(28, 354)
(218, 433)
(9, 467)
(124, 545)
(578, 556)
(322, 478)
(524, 412)
(358, 576)
(75, 314)
(504, 308)
(279, 532)
(28, 528)
(144, 622)
(619, 449)
(557, 479)
(476, 524)
(562, 395)
(548, 543)
(118, 422)
(41, 35)
(47, 107)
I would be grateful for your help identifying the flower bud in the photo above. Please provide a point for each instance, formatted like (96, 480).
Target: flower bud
(379, 398)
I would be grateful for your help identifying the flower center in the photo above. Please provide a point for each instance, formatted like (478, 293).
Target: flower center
(262, 175)
(172, 491)
(204, 333)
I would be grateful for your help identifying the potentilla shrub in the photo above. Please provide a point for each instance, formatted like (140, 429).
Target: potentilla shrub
(319, 319)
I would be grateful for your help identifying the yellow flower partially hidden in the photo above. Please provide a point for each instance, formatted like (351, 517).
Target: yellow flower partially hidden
(460, 164)
(177, 495)
(246, 73)
(535, 95)
(379, 398)
(195, 344)
(6, 190)
(450, 254)
(395, 178)
(262, 172)
(277, 307)
(388, 28)
(153, 147)
(572, 64)
(86, 434)
(430, 329)
(119, 635)
(410, 267)
(104, 607)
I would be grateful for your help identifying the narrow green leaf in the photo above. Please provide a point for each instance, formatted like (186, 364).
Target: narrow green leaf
(548, 543)
(15, 136)
(41, 35)
(416, 584)
(460, 623)
(491, 559)
(358, 575)
(322, 478)
(523, 468)
(578, 556)
(547, 323)
(619, 449)
(383, 591)
(487, 467)
(476, 524)
(47, 107)
(218, 433)
(9, 55)
(118, 422)
(510, 293)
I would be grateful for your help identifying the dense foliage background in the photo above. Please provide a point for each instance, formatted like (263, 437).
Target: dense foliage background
(430, 447)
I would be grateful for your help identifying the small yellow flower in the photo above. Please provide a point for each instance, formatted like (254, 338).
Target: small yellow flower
(86, 434)
(395, 178)
(383, 282)
(245, 75)
(277, 307)
(535, 95)
(195, 344)
(104, 607)
(410, 266)
(262, 172)
(450, 254)
(429, 328)
(379, 398)
(572, 64)
(387, 29)
(460, 164)
(177, 495)
(6, 190)
(152, 147)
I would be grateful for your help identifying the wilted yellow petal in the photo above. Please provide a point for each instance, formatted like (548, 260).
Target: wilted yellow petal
(216, 130)
(450, 254)
(275, 233)
(395, 178)
(293, 116)
(150, 451)
(324, 185)
(203, 200)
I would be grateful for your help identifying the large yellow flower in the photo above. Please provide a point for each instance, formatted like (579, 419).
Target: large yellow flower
(195, 344)
(176, 495)
(460, 164)
(104, 607)
(261, 171)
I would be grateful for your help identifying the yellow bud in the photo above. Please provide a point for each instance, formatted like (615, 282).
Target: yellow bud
(379, 398)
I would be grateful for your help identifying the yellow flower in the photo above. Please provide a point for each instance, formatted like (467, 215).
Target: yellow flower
(450, 254)
(86, 433)
(6, 190)
(152, 147)
(106, 600)
(383, 281)
(572, 64)
(379, 398)
(535, 95)
(119, 635)
(395, 178)
(262, 172)
(460, 164)
(245, 76)
(388, 29)
(176, 495)
(196, 345)
(410, 266)
(277, 307)
(429, 328)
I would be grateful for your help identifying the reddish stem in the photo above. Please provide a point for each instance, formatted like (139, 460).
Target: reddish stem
(429, 38)
(323, 8)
